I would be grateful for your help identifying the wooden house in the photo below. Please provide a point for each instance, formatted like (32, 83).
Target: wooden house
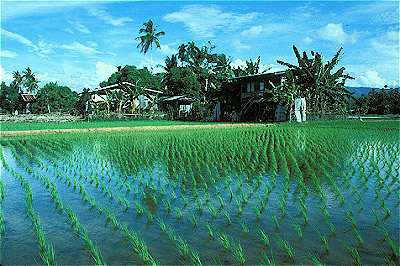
(145, 98)
(253, 96)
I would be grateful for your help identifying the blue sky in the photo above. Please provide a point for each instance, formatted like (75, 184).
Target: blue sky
(79, 44)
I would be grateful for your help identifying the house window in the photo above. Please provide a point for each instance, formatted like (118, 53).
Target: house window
(248, 87)
(261, 86)
(252, 86)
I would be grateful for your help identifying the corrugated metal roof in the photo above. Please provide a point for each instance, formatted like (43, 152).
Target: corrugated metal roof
(260, 74)
(180, 98)
(28, 97)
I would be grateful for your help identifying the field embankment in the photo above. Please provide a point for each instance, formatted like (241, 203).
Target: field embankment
(153, 125)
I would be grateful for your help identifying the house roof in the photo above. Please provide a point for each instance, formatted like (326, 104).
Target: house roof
(180, 98)
(279, 73)
(28, 97)
(126, 84)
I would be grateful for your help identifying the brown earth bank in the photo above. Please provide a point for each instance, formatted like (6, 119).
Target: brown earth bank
(53, 117)
(143, 128)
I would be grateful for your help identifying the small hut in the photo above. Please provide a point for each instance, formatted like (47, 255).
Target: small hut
(181, 106)
(26, 102)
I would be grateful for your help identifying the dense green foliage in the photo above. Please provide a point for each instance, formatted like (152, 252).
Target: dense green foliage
(380, 102)
(313, 79)
(9, 98)
(55, 98)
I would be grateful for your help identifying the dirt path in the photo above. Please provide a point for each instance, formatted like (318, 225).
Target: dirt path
(30, 132)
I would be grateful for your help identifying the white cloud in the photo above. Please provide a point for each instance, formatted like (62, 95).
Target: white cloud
(104, 71)
(79, 26)
(103, 15)
(165, 49)
(307, 40)
(238, 63)
(239, 46)
(7, 78)
(42, 48)
(206, 20)
(334, 32)
(8, 54)
(371, 79)
(252, 32)
(91, 44)
(44, 78)
(80, 48)
(19, 38)
(17, 9)
(377, 12)
(387, 44)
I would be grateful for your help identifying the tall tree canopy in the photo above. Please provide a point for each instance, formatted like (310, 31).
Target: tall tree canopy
(9, 97)
(55, 98)
(149, 37)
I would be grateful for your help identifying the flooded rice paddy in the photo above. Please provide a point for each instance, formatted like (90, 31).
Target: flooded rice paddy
(268, 195)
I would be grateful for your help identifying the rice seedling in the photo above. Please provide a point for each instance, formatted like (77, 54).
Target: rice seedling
(264, 237)
(212, 210)
(228, 218)
(210, 232)
(298, 229)
(237, 252)
(257, 212)
(195, 258)
(224, 240)
(275, 220)
(314, 259)
(179, 213)
(149, 216)
(288, 248)
(323, 239)
(245, 227)
(359, 238)
(267, 260)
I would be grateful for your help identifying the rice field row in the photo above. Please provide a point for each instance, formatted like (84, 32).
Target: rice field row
(275, 195)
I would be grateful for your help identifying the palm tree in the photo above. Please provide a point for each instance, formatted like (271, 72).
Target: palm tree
(170, 63)
(149, 37)
(29, 80)
(17, 82)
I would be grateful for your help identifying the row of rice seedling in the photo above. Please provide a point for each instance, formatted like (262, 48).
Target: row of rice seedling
(52, 189)
(240, 182)
(2, 195)
(46, 250)
(138, 244)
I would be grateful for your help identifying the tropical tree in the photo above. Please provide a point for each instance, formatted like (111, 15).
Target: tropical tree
(252, 68)
(170, 63)
(18, 80)
(315, 81)
(149, 37)
(29, 81)
(55, 98)
(9, 97)
(183, 81)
